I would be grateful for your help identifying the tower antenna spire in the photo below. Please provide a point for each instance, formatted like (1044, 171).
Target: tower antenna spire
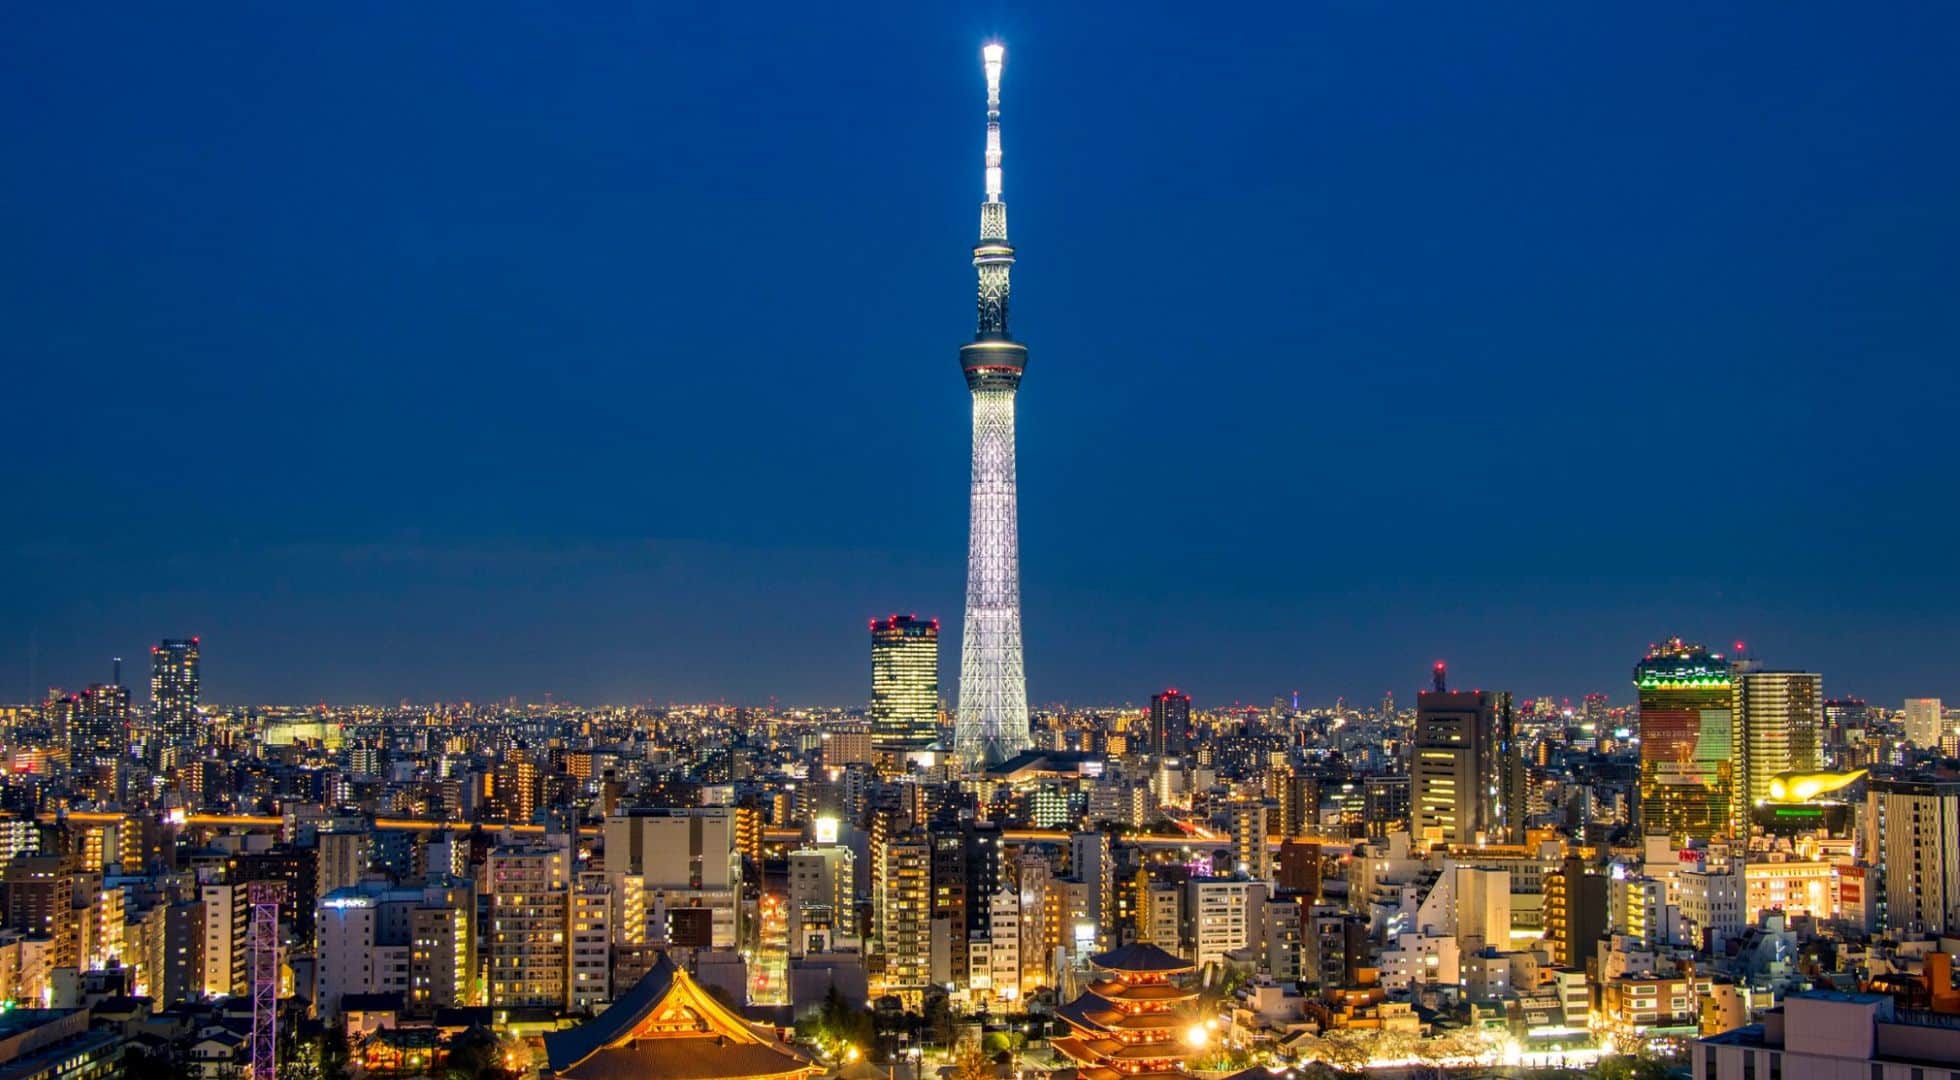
(994, 55)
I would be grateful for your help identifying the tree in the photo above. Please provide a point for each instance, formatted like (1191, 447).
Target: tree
(476, 1055)
(970, 1062)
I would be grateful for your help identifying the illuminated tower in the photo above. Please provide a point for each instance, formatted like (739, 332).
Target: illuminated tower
(993, 717)
(904, 682)
(1687, 742)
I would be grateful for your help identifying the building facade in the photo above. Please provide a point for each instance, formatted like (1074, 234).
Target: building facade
(904, 682)
(1687, 742)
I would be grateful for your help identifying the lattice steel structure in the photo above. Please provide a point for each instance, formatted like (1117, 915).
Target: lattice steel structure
(265, 897)
(993, 719)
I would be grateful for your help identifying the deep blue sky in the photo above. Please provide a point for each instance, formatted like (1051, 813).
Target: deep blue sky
(467, 350)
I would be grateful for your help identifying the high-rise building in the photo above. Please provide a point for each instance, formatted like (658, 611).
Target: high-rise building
(1780, 729)
(1924, 722)
(1913, 834)
(98, 729)
(902, 887)
(1687, 742)
(530, 917)
(1467, 778)
(1170, 724)
(227, 918)
(904, 682)
(992, 724)
(174, 678)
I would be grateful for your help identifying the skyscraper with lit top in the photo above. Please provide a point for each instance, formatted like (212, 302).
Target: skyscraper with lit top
(1687, 742)
(993, 716)
(904, 682)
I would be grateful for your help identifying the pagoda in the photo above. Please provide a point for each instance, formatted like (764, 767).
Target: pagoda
(668, 1026)
(1131, 1022)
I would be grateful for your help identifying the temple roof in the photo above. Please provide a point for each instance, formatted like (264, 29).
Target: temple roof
(1140, 957)
(693, 1057)
(668, 1026)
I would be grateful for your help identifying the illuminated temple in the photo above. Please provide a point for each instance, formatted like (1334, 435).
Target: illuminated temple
(668, 1026)
(1131, 1022)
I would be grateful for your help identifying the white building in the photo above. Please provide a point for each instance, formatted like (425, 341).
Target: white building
(1221, 915)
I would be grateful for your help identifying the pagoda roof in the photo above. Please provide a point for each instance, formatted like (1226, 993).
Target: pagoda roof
(1116, 990)
(1103, 1051)
(1141, 957)
(667, 1025)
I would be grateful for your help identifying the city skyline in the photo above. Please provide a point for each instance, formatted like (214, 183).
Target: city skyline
(452, 433)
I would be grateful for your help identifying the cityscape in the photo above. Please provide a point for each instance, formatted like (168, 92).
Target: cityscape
(1728, 863)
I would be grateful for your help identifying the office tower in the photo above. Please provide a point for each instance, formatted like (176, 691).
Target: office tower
(1687, 768)
(1913, 835)
(993, 716)
(98, 726)
(530, 914)
(1781, 730)
(904, 682)
(1924, 722)
(174, 680)
(1249, 848)
(1170, 724)
(1467, 778)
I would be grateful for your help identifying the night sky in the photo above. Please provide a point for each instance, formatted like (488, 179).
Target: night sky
(460, 351)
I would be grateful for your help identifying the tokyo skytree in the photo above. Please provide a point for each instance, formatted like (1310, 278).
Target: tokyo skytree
(993, 718)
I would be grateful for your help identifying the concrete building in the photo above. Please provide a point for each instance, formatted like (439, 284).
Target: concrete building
(1925, 721)
(530, 917)
(1913, 835)
(1467, 775)
(1221, 915)
(1834, 1036)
